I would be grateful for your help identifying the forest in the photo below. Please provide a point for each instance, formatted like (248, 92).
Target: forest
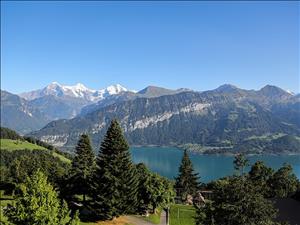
(43, 189)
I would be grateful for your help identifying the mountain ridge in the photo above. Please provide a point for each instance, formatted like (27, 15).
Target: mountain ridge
(227, 115)
(76, 91)
(207, 118)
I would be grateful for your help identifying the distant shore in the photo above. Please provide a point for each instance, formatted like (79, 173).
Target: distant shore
(213, 151)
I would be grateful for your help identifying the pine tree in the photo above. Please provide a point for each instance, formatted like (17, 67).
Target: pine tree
(83, 166)
(187, 182)
(38, 204)
(115, 182)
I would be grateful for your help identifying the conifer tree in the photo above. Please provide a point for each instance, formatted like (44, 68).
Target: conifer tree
(83, 166)
(187, 182)
(115, 182)
(38, 204)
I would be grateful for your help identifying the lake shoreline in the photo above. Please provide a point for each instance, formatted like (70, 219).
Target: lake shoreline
(215, 153)
(166, 161)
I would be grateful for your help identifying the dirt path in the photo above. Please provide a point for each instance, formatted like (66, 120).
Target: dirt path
(138, 221)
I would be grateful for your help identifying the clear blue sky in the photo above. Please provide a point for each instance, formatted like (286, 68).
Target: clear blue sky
(198, 45)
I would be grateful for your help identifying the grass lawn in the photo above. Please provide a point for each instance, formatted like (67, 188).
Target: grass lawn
(13, 145)
(118, 221)
(182, 215)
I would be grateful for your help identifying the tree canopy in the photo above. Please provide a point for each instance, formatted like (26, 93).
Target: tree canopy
(38, 204)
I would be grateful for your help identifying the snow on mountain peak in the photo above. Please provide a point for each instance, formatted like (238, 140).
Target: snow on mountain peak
(78, 91)
(80, 86)
(115, 89)
(53, 85)
(290, 92)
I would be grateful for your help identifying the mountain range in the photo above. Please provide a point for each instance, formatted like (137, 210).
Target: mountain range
(226, 117)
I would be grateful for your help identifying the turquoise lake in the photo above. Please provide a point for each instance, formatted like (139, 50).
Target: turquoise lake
(166, 160)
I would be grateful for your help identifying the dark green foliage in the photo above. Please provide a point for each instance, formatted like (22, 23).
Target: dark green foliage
(38, 204)
(240, 163)
(153, 190)
(83, 166)
(286, 143)
(244, 199)
(260, 175)
(22, 163)
(115, 182)
(284, 182)
(205, 214)
(297, 194)
(144, 199)
(237, 202)
(6, 133)
(187, 182)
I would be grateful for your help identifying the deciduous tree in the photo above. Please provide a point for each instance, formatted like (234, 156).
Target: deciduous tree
(38, 204)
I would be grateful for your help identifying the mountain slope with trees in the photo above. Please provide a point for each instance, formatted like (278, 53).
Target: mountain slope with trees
(18, 114)
(224, 117)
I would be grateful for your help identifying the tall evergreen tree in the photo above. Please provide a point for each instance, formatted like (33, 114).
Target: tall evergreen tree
(187, 182)
(83, 166)
(115, 182)
(38, 204)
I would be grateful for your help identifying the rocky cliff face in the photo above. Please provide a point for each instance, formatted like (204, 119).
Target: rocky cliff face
(18, 114)
(225, 116)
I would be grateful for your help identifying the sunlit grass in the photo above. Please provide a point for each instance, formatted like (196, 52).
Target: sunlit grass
(13, 145)
(182, 215)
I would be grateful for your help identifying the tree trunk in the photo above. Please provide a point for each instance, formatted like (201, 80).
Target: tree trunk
(154, 209)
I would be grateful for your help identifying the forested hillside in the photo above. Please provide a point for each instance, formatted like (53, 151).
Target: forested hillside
(225, 117)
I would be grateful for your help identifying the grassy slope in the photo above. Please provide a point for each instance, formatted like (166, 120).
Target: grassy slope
(18, 144)
(182, 215)
(13, 145)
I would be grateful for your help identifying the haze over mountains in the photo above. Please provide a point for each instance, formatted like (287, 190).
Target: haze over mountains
(225, 116)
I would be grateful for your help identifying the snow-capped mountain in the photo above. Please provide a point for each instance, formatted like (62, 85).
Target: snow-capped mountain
(76, 91)
(58, 101)
(151, 105)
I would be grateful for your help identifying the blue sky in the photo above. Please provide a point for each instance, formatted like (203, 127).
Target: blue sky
(198, 45)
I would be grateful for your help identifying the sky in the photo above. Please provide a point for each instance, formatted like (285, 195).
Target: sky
(196, 45)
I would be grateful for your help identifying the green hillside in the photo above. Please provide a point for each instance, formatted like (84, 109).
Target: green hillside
(12, 145)
(9, 144)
